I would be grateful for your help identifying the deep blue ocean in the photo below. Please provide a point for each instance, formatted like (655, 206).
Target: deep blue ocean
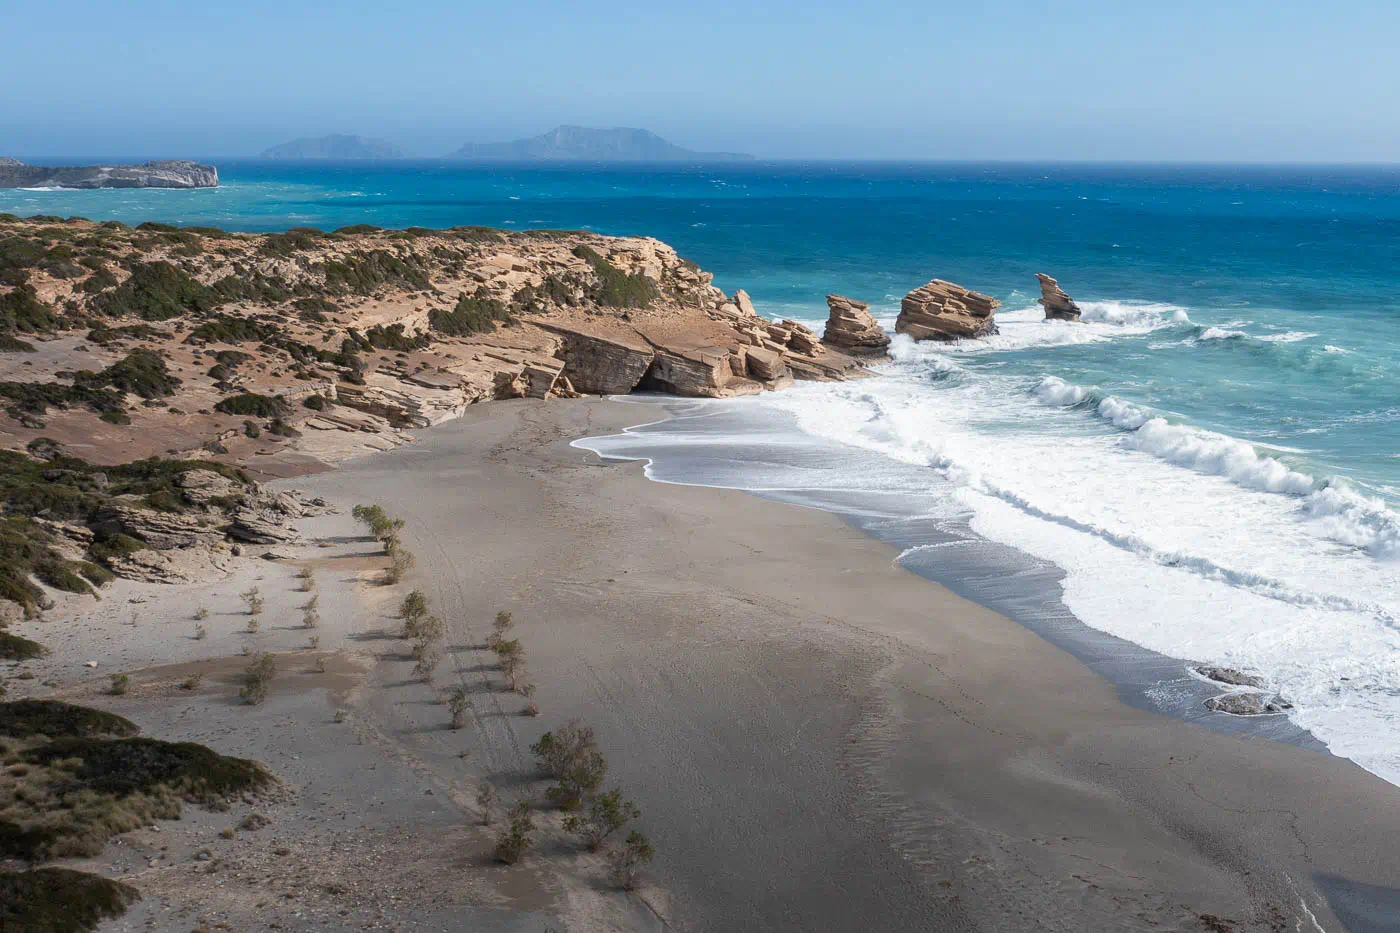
(1212, 457)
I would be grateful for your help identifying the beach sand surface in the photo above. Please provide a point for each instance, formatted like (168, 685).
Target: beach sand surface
(821, 740)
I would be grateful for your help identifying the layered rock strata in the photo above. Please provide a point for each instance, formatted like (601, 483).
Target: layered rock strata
(1058, 306)
(945, 311)
(851, 328)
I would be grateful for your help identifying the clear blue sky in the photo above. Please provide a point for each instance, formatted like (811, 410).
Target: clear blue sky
(997, 79)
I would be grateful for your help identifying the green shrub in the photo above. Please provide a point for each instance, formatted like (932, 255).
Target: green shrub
(115, 417)
(393, 338)
(257, 678)
(21, 310)
(627, 861)
(251, 403)
(229, 329)
(9, 343)
(156, 291)
(606, 814)
(571, 757)
(615, 288)
(472, 315)
(362, 273)
(515, 837)
(141, 372)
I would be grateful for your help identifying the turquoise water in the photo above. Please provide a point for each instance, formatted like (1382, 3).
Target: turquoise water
(1212, 457)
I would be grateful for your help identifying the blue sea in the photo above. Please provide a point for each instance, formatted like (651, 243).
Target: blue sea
(1209, 461)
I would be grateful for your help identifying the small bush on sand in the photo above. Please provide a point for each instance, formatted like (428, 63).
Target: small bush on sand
(120, 684)
(192, 682)
(254, 625)
(310, 618)
(308, 580)
(570, 755)
(627, 860)
(201, 614)
(605, 815)
(429, 657)
(413, 608)
(457, 704)
(486, 801)
(514, 838)
(501, 626)
(401, 562)
(253, 599)
(257, 678)
(200, 633)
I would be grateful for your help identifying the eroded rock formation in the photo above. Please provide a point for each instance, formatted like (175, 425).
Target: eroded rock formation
(945, 311)
(1058, 306)
(851, 328)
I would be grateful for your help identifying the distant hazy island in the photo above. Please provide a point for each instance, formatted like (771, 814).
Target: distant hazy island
(335, 146)
(583, 144)
(171, 173)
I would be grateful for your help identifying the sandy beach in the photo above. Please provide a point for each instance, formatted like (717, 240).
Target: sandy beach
(821, 740)
(818, 738)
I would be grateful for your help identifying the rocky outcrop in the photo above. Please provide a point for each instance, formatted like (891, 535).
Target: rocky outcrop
(603, 364)
(851, 328)
(1228, 675)
(1248, 704)
(207, 488)
(160, 530)
(1058, 306)
(944, 311)
(174, 173)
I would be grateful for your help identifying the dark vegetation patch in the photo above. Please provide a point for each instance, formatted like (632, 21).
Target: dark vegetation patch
(9, 343)
(16, 648)
(252, 286)
(363, 272)
(475, 314)
(616, 289)
(392, 337)
(102, 335)
(157, 291)
(228, 329)
(317, 402)
(60, 900)
(21, 310)
(357, 229)
(293, 241)
(251, 403)
(81, 776)
(226, 363)
(54, 719)
(141, 372)
(314, 310)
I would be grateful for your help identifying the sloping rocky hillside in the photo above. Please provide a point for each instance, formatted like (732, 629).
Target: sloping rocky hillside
(287, 351)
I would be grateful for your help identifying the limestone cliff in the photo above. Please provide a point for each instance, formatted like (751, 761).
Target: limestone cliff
(172, 173)
(944, 311)
(287, 350)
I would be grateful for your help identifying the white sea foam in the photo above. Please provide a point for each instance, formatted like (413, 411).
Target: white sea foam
(1221, 333)
(1292, 336)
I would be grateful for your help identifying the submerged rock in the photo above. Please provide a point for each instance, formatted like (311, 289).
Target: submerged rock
(945, 311)
(1058, 306)
(851, 327)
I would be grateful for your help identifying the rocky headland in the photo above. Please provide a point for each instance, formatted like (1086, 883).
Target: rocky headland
(1058, 306)
(168, 173)
(946, 311)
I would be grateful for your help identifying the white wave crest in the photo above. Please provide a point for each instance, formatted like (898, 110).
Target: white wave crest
(1221, 333)
(1292, 336)
(1147, 315)
(1055, 391)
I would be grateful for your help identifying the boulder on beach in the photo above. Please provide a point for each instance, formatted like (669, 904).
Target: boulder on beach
(1228, 675)
(1058, 306)
(946, 311)
(851, 327)
(1247, 704)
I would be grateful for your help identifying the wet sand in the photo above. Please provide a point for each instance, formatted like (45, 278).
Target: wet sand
(820, 739)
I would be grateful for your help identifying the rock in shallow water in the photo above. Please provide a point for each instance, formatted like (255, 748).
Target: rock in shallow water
(1247, 704)
(1228, 675)
(946, 311)
(1058, 306)
(851, 327)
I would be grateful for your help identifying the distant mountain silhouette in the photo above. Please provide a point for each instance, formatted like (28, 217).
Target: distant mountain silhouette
(583, 144)
(335, 146)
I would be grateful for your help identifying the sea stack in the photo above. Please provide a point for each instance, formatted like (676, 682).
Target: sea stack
(1058, 306)
(945, 311)
(851, 327)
